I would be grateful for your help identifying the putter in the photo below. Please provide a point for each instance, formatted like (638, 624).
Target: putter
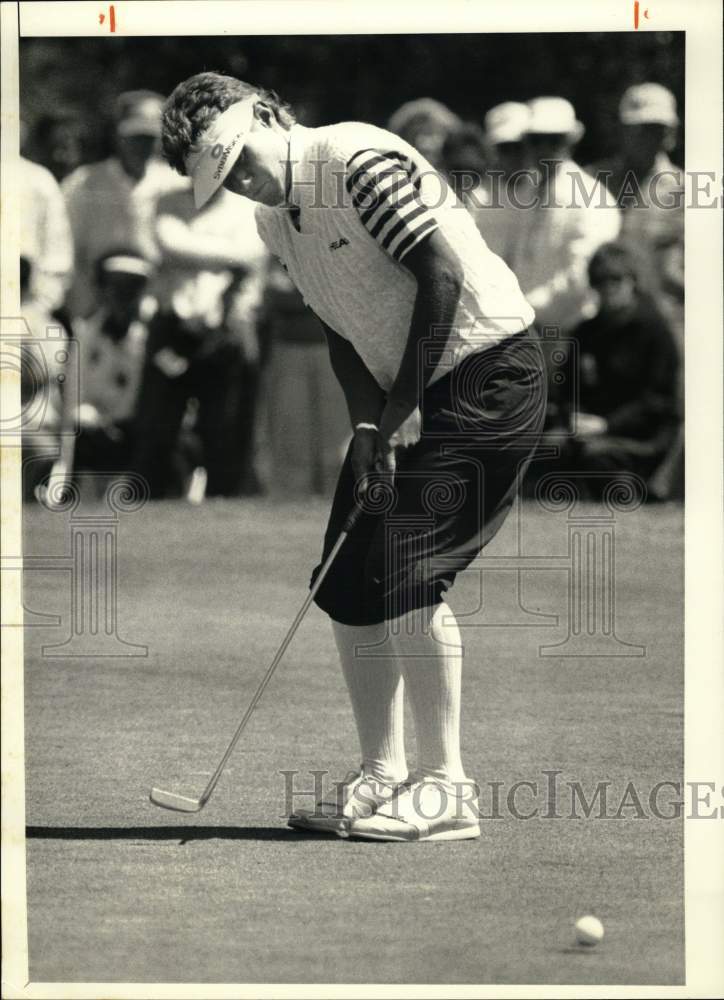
(182, 803)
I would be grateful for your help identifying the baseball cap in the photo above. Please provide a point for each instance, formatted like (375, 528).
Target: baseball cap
(139, 113)
(121, 263)
(507, 122)
(215, 152)
(648, 104)
(426, 108)
(554, 116)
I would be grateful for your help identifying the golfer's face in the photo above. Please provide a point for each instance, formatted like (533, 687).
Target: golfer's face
(260, 170)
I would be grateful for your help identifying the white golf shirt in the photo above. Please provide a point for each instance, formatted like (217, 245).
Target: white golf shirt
(45, 235)
(365, 198)
(552, 241)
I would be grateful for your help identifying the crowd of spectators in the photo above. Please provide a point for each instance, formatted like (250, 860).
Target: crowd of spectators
(200, 368)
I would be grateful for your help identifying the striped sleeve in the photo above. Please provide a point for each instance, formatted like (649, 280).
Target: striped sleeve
(385, 190)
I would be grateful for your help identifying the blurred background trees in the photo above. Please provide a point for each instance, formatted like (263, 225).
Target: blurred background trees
(336, 77)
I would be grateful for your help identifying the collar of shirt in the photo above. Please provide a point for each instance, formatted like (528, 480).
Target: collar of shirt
(618, 174)
(664, 167)
(300, 173)
(119, 176)
(563, 169)
(158, 177)
(562, 188)
(297, 166)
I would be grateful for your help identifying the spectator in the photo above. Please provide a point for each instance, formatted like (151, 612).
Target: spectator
(571, 216)
(203, 342)
(463, 158)
(45, 237)
(112, 345)
(508, 182)
(113, 203)
(649, 189)
(628, 368)
(552, 237)
(59, 142)
(505, 130)
(426, 124)
(48, 391)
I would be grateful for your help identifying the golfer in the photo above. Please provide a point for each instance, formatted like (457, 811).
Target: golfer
(431, 340)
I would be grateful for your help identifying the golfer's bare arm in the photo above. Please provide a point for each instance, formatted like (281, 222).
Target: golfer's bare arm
(439, 276)
(365, 399)
(439, 279)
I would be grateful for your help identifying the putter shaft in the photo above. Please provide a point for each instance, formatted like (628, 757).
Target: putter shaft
(180, 803)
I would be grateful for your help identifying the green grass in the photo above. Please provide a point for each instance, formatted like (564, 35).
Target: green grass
(119, 890)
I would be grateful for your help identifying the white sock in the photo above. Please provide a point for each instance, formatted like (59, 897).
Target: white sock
(430, 651)
(376, 690)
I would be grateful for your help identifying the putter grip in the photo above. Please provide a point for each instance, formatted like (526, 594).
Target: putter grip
(352, 519)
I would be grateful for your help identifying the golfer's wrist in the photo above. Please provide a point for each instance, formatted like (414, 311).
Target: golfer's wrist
(396, 412)
(365, 425)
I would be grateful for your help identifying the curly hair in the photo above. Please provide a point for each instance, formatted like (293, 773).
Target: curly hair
(196, 102)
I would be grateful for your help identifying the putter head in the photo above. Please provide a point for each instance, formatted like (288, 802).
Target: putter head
(179, 803)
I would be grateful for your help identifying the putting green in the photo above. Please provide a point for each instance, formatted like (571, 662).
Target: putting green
(120, 890)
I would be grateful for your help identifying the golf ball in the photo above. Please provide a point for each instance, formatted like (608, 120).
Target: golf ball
(589, 930)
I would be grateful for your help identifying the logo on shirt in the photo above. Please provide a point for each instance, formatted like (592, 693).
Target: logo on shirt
(339, 243)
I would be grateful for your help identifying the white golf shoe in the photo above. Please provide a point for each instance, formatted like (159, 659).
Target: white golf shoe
(423, 809)
(357, 797)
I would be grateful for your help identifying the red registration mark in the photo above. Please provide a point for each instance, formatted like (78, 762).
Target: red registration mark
(111, 18)
(636, 14)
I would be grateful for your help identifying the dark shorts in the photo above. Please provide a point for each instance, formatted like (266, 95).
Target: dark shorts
(451, 492)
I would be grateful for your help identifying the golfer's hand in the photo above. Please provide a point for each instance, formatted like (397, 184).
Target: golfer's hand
(367, 456)
(400, 427)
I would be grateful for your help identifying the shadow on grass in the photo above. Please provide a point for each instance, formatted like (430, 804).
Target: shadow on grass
(183, 833)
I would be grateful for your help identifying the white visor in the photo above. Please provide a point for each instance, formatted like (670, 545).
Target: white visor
(215, 152)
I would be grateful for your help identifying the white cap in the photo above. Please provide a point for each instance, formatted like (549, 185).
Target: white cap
(554, 116)
(216, 151)
(648, 104)
(506, 122)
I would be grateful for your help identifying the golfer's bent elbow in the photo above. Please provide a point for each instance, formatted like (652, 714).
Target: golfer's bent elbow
(451, 275)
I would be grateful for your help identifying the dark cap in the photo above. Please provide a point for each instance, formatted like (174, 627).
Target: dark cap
(138, 112)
